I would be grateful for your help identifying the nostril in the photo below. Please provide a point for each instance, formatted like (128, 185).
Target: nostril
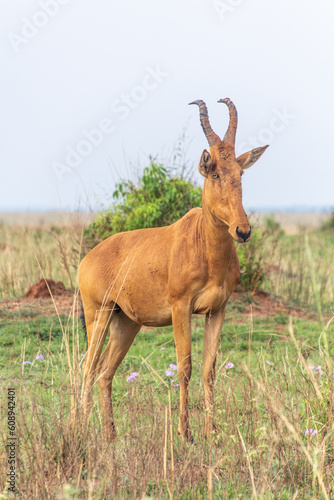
(239, 233)
(242, 235)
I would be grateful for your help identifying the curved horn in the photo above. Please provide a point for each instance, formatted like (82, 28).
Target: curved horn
(212, 138)
(232, 127)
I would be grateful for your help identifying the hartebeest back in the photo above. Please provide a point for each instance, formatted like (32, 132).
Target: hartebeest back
(161, 276)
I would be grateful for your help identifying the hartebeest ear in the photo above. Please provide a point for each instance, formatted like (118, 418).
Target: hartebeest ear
(205, 163)
(247, 159)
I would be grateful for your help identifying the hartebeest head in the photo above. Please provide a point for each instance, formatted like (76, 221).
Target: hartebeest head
(222, 193)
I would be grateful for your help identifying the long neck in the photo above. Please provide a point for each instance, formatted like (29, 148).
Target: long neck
(218, 239)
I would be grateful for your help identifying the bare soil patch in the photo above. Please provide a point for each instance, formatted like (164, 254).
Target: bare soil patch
(45, 288)
(7, 247)
(39, 300)
(263, 305)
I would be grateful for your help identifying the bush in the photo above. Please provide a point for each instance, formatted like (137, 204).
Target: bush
(272, 227)
(251, 265)
(328, 224)
(158, 200)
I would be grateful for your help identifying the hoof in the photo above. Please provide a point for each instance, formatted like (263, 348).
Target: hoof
(186, 436)
(210, 429)
(110, 432)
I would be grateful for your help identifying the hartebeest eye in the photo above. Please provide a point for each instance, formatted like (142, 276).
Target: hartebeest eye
(215, 176)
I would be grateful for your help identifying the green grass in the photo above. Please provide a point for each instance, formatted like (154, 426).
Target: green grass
(249, 400)
(44, 334)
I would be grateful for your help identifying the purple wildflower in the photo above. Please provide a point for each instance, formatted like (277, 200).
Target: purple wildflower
(228, 366)
(169, 373)
(132, 376)
(268, 363)
(40, 356)
(318, 369)
(163, 348)
(310, 367)
(173, 367)
(26, 363)
(310, 432)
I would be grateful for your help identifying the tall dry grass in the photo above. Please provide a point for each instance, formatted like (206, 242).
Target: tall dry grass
(55, 248)
(258, 450)
(300, 269)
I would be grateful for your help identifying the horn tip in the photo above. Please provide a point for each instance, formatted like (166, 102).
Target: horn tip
(227, 100)
(198, 101)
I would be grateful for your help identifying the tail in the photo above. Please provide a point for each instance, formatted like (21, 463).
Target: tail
(116, 309)
(83, 321)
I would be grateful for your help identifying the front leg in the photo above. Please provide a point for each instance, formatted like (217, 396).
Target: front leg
(213, 327)
(181, 315)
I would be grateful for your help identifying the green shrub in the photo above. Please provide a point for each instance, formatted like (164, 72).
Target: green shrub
(272, 227)
(328, 224)
(251, 266)
(158, 200)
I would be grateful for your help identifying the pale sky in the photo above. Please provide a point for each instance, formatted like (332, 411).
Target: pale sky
(90, 89)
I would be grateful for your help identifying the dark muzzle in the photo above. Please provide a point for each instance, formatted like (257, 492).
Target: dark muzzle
(243, 236)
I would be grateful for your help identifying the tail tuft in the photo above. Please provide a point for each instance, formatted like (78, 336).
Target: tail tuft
(83, 321)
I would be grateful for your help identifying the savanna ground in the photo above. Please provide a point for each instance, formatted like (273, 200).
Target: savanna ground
(274, 390)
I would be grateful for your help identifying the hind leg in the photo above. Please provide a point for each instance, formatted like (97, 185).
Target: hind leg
(122, 333)
(97, 324)
(213, 327)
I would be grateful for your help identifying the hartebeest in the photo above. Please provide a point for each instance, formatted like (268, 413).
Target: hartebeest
(161, 276)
